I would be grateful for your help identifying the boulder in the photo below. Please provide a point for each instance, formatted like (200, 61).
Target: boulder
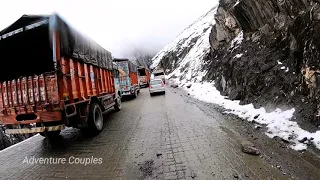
(249, 148)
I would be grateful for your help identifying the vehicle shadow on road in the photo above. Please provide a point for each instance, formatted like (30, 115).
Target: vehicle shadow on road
(157, 94)
(72, 136)
(127, 98)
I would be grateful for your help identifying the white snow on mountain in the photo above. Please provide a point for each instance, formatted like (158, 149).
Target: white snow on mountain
(199, 30)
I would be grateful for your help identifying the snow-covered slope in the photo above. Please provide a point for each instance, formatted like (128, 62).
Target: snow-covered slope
(189, 49)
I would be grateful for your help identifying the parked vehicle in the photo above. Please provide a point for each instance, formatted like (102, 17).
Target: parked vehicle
(159, 74)
(156, 86)
(59, 78)
(144, 76)
(129, 81)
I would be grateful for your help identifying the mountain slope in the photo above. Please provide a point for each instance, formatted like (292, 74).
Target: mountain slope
(263, 56)
(183, 57)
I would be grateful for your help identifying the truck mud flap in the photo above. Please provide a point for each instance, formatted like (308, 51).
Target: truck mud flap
(34, 130)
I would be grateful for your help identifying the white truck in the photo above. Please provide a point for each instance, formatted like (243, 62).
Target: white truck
(159, 74)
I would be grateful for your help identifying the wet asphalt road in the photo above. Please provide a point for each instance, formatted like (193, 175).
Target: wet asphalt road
(161, 137)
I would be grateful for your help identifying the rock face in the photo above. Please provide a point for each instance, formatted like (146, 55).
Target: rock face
(267, 53)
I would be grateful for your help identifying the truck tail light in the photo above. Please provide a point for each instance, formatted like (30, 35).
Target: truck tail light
(150, 86)
(162, 84)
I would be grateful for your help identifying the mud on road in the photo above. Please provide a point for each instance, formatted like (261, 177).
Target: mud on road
(168, 136)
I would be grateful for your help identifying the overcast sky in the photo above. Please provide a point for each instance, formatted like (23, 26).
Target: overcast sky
(117, 25)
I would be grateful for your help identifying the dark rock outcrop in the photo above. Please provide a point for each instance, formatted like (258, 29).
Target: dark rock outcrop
(277, 63)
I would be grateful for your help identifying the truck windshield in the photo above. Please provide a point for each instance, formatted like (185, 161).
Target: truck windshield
(142, 72)
(124, 66)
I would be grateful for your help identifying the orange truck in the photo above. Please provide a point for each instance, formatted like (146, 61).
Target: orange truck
(129, 81)
(144, 76)
(53, 77)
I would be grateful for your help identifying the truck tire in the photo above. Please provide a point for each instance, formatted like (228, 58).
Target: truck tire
(95, 120)
(117, 105)
(135, 95)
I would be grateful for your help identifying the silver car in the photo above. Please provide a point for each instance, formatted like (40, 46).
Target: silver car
(156, 86)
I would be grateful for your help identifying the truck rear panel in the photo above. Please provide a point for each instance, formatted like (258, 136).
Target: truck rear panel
(29, 95)
(143, 76)
(134, 78)
(129, 82)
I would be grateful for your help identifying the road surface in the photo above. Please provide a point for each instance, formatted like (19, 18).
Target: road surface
(168, 136)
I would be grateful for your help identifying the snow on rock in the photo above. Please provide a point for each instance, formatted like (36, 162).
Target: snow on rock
(278, 122)
(279, 62)
(287, 70)
(236, 3)
(237, 41)
(238, 56)
(195, 38)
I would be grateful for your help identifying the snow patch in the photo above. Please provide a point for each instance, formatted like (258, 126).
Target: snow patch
(236, 3)
(278, 122)
(237, 41)
(279, 62)
(287, 70)
(238, 56)
(283, 67)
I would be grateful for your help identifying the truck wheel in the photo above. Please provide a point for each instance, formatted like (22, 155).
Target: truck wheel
(135, 94)
(95, 120)
(117, 105)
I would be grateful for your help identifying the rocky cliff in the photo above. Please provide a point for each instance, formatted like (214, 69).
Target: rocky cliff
(260, 52)
(277, 62)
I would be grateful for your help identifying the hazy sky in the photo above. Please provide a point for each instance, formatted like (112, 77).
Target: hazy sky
(117, 25)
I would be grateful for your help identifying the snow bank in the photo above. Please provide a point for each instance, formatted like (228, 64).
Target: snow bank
(277, 122)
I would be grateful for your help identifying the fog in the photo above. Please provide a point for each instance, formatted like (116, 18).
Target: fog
(120, 26)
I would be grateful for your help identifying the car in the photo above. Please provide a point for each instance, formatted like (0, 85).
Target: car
(156, 86)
